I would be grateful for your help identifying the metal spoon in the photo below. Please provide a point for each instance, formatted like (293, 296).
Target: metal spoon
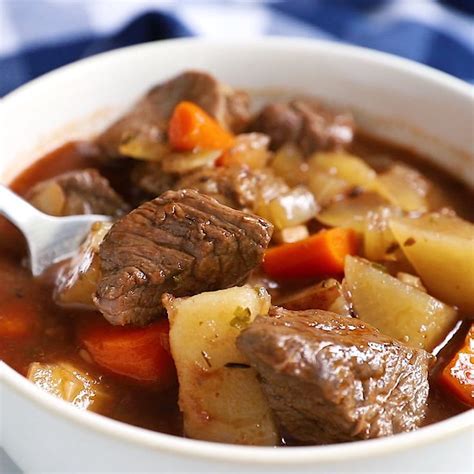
(50, 239)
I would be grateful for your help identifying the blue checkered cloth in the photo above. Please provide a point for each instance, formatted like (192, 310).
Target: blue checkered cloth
(37, 36)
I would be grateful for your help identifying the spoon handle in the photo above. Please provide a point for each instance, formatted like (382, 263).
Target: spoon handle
(18, 211)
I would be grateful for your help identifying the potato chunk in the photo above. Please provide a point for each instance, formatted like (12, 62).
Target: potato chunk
(77, 280)
(346, 167)
(441, 249)
(219, 393)
(70, 383)
(395, 308)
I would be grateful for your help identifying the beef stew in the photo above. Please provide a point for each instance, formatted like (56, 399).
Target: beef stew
(164, 319)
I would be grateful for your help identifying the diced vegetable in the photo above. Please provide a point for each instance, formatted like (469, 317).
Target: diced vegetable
(327, 188)
(441, 249)
(219, 394)
(352, 211)
(49, 198)
(404, 187)
(19, 318)
(191, 128)
(346, 167)
(185, 162)
(379, 241)
(327, 295)
(321, 254)
(249, 149)
(143, 148)
(411, 280)
(290, 234)
(458, 375)
(395, 308)
(72, 384)
(140, 353)
(77, 281)
(289, 209)
(289, 164)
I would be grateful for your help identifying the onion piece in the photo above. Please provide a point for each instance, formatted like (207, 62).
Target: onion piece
(142, 148)
(290, 234)
(250, 149)
(182, 163)
(327, 188)
(404, 187)
(289, 209)
(352, 211)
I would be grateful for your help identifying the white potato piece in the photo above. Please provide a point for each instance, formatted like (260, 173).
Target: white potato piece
(289, 164)
(219, 394)
(49, 198)
(395, 308)
(349, 168)
(72, 384)
(77, 280)
(441, 249)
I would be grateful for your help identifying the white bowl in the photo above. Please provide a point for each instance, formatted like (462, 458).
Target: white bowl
(391, 97)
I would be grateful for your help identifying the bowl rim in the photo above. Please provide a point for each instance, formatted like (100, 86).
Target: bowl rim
(212, 451)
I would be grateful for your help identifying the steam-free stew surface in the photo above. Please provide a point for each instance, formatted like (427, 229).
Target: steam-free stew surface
(52, 329)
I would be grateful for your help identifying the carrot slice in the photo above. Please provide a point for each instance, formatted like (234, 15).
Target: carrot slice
(191, 128)
(139, 353)
(19, 319)
(458, 375)
(321, 254)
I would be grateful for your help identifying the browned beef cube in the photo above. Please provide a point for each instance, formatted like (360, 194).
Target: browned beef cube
(236, 187)
(306, 123)
(334, 378)
(149, 118)
(181, 243)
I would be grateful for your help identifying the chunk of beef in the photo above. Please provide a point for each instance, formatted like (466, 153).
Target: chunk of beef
(148, 119)
(236, 187)
(181, 243)
(77, 192)
(334, 378)
(150, 178)
(304, 122)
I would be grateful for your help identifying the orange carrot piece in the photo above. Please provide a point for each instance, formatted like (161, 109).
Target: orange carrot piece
(458, 376)
(19, 319)
(191, 128)
(139, 353)
(321, 254)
